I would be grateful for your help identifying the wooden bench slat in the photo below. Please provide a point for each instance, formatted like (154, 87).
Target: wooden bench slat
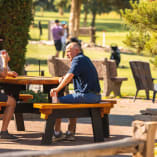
(64, 106)
(3, 104)
(119, 79)
(47, 108)
(25, 97)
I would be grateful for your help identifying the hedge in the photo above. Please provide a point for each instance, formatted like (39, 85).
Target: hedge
(15, 20)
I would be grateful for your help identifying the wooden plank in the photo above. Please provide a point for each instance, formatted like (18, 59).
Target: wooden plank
(128, 145)
(30, 80)
(3, 104)
(119, 79)
(67, 106)
(25, 97)
(145, 131)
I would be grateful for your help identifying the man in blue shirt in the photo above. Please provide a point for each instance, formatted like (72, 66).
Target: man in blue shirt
(86, 84)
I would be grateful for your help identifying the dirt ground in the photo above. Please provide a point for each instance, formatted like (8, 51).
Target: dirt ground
(121, 118)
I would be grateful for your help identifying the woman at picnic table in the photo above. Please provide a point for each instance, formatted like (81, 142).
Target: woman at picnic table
(86, 85)
(11, 102)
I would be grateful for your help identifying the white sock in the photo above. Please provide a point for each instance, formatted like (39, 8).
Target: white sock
(57, 132)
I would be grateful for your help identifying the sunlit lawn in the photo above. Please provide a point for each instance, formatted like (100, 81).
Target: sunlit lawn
(115, 33)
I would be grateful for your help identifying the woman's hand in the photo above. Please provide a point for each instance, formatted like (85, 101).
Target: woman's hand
(12, 74)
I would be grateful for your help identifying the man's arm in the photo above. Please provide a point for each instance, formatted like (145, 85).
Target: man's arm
(67, 78)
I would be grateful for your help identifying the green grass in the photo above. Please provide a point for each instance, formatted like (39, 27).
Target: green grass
(111, 23)
(115, 33)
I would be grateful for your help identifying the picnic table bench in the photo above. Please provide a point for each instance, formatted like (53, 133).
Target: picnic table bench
(97, 112)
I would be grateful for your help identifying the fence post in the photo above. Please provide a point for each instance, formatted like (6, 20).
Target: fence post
(103, 39)
(145, 131)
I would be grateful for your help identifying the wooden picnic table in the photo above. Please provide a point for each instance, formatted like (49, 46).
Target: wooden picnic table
(13, 86)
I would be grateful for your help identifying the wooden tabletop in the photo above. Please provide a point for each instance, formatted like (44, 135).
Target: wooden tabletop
(30, 80)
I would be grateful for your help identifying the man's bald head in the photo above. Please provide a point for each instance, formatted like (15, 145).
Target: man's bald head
(74, 45)
(72, 50)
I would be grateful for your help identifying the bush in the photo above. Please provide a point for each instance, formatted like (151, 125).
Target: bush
(15, 19)
(151, 45)
(136, 40)
(37, 97)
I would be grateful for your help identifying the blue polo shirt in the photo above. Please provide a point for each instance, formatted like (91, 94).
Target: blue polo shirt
(85, 75)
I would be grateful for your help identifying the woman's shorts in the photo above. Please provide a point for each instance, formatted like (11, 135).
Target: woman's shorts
(58, 45)
(3, 97)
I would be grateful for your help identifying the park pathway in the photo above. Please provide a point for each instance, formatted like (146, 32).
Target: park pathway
(121, 118)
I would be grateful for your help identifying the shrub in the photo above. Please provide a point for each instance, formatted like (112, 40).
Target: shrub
(151, 45)
(136, 40)
(15, 19)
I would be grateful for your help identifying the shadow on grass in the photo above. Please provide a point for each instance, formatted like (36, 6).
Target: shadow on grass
(110, 27)
(123, 67)
(129, 53)
(36, 61)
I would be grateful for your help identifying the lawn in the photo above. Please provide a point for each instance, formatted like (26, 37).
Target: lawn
(115, 33)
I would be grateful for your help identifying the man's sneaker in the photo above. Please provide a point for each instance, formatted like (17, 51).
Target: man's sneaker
(58, 137)
(6, 136)
(69, 136)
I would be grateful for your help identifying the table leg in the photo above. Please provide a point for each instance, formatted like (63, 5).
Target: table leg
(105, 124)
(49, 130)
(97, 125)
(19, 122)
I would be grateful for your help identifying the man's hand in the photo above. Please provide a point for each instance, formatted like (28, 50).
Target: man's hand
(53, 91)
(66, 79)
(12, 74)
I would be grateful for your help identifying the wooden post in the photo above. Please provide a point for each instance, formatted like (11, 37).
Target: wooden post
(145, 131)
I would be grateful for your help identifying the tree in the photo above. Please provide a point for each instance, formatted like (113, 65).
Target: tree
(46, 4)
(118, 5)
(74, 20)
(15, 19)
(61, 4)
(86, 11)
(142, 19)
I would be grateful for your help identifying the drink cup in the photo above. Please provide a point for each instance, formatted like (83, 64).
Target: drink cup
(54, 98)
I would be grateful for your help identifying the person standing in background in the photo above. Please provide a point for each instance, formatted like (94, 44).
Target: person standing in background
(40, 29)
(64, 37)
(57, 32)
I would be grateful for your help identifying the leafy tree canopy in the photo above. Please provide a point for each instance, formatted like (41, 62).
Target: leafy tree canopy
(142, 16)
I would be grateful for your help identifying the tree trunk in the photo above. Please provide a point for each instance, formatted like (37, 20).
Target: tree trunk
(93, 19)
(93, 37)
(61, 12)
(85, 18)
(74, 19)
(77, 18)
